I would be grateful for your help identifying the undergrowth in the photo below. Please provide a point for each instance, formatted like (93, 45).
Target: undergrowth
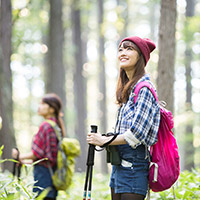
(11, 188)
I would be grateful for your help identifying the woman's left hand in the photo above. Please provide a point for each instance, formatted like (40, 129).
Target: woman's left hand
(96, 139)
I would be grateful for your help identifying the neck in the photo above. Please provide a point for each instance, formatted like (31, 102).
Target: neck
(129, 74)
(49, 116)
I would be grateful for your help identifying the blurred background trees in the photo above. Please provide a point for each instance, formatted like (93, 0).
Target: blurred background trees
(70, 48)
(55, 70)
(167, 29)
(6, 103)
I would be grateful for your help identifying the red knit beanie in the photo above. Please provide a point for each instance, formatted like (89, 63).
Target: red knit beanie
(145, 45)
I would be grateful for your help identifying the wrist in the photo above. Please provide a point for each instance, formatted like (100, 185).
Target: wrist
(119, 140)
(109, 140)
(105, 139)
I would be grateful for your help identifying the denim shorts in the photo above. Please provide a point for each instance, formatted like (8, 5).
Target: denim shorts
(132, 175)
(43, 177)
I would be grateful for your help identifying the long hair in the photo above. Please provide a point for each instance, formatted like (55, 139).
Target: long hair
(55, 102)
(124, 85)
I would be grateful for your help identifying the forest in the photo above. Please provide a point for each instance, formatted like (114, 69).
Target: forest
(70, 48)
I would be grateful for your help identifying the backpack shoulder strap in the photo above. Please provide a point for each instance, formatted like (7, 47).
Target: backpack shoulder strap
(51, 122)
(56, 128)
(141, 85)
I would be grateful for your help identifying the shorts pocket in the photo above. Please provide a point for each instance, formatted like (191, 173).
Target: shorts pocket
(125, 163)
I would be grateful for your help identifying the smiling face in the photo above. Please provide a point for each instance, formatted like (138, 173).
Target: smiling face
(127, 56)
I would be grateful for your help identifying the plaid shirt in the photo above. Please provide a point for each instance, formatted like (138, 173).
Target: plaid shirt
(141, 118)
(45, 144)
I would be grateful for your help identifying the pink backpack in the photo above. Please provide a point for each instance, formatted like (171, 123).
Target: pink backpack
(164, 166)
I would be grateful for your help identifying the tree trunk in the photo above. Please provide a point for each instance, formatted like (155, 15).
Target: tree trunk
(189, 151)
(6, 104)
(167, 28)
(102, 81)
(152, 19)
(125, 16)
(79, 86)
(55, 71)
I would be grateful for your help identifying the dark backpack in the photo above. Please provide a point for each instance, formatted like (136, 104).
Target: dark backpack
(164, 166)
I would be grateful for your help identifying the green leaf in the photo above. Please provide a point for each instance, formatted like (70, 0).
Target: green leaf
(1, 150)
(43, 194)
(38, 161)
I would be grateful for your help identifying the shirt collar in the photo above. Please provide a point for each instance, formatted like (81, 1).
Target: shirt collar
(53, 119)
(146, 77)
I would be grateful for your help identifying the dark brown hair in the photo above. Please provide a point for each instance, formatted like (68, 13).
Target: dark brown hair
(55, 102)
(124, 85)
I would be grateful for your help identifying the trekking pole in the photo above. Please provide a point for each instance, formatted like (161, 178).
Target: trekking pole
(18, 166)
(90, 163)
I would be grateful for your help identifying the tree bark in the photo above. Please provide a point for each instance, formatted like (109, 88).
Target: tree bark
(55, 71)
(102, 81)
(6, 103)
(125, 16)
(152, 19)
(79, 86)
(167, 28)
(189, 151)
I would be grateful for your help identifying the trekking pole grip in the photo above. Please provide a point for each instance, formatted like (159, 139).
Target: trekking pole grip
(93, 128)
(90, 159)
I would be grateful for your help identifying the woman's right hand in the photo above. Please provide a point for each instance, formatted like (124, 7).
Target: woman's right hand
(97, 139)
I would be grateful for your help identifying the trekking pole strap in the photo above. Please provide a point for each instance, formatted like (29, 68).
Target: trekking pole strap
(112, 139)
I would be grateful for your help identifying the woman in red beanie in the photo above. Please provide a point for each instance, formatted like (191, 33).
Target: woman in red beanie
(137, 123)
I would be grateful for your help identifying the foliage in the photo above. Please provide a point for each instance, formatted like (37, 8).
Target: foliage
(18, 188)
(100, 188)
(186, 188)
(1, 151)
